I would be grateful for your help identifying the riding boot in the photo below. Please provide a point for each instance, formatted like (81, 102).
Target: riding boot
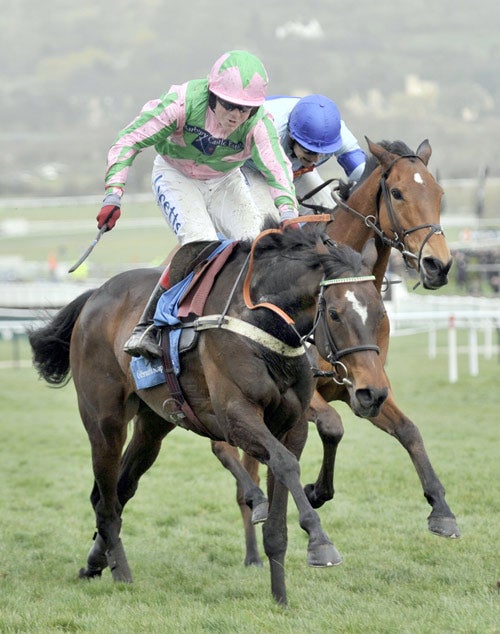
(143, 341)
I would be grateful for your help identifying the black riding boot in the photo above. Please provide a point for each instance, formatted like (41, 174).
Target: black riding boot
(143, 341)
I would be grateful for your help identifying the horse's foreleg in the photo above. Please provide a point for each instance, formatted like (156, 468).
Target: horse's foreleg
(275, 534)
(251, 500)
(391, 419)
(331, 430)
(283, 477)
(96, 559)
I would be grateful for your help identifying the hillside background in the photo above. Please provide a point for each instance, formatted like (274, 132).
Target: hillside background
(72, 74)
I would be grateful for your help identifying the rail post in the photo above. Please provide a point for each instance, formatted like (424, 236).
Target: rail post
(452, 351)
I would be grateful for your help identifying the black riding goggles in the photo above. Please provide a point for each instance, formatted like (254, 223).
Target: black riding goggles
(228, 105)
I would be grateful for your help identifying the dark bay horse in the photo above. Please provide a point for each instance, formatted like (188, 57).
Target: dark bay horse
(398, 202)
(248, 380)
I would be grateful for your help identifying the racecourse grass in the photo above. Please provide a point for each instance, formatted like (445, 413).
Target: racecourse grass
(183, 536)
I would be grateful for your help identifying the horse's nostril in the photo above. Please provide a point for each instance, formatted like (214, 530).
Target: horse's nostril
(369, 397)
(435, 271)
(432, 265)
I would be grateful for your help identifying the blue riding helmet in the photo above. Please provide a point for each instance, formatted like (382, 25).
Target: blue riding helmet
(315, 124)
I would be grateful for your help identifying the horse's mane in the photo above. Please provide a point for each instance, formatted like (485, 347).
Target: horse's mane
(394, 147)
(282, 258)
(299, 245)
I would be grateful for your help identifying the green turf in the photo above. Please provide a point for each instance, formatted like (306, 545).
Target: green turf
(183, 535)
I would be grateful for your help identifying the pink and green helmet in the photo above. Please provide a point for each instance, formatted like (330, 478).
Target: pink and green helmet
(239, 77)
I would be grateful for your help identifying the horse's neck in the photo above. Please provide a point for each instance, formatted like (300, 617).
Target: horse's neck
(351, 229)
(380, 268)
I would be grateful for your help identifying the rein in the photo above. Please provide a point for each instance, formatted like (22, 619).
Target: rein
(246, 285)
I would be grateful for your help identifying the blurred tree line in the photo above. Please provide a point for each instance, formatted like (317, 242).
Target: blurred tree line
(73, 74)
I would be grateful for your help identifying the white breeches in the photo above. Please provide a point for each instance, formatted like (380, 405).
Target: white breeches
(207, 209)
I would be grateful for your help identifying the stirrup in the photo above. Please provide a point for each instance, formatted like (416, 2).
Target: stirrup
(143, 343)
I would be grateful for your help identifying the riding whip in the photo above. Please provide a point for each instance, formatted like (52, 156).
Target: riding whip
(89, 249)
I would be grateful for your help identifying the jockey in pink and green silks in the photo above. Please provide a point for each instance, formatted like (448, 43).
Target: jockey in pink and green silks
(203, 131)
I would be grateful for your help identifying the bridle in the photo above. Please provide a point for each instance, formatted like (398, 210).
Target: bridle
(373, 222)
(333, 352)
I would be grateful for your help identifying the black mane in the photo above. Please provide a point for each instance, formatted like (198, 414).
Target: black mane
(283, 258)
(299, 245)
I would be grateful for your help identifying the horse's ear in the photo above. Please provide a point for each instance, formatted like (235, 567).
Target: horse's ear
(384, 157)
(424, 151)
(369, 254)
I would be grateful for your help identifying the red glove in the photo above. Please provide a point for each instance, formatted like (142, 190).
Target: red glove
(109, 215)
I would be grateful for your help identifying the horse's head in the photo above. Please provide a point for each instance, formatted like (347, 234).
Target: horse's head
(409, 205)
(350, 312)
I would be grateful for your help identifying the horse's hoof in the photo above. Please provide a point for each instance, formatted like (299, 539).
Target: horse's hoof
(254, 561)
(324, 556)
(88, 574)
(444, 527)
(260, 512)
(314, 500)
(118, 564)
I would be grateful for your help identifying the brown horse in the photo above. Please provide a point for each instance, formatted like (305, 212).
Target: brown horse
(248, 380)
(398, 202)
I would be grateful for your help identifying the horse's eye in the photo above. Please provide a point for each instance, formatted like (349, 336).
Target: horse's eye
(396, 194)
(334, 316)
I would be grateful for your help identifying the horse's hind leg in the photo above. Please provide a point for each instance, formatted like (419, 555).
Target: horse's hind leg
(251, 500)
(107, 436)
(141, 452)
(391, 419)
(330, 430)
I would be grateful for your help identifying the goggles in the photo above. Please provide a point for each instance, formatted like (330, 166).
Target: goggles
(228, 105)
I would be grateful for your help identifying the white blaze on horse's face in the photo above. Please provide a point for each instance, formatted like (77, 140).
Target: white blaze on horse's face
(361, 310)
(418, 178)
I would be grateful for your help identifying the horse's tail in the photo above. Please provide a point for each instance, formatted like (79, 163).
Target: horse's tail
(50, 343)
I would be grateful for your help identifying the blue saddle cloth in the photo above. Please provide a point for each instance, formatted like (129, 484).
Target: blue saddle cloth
(147, 373)
(150, 373)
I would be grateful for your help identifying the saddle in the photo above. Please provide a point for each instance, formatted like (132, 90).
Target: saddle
(190, 256)
(193, 271)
